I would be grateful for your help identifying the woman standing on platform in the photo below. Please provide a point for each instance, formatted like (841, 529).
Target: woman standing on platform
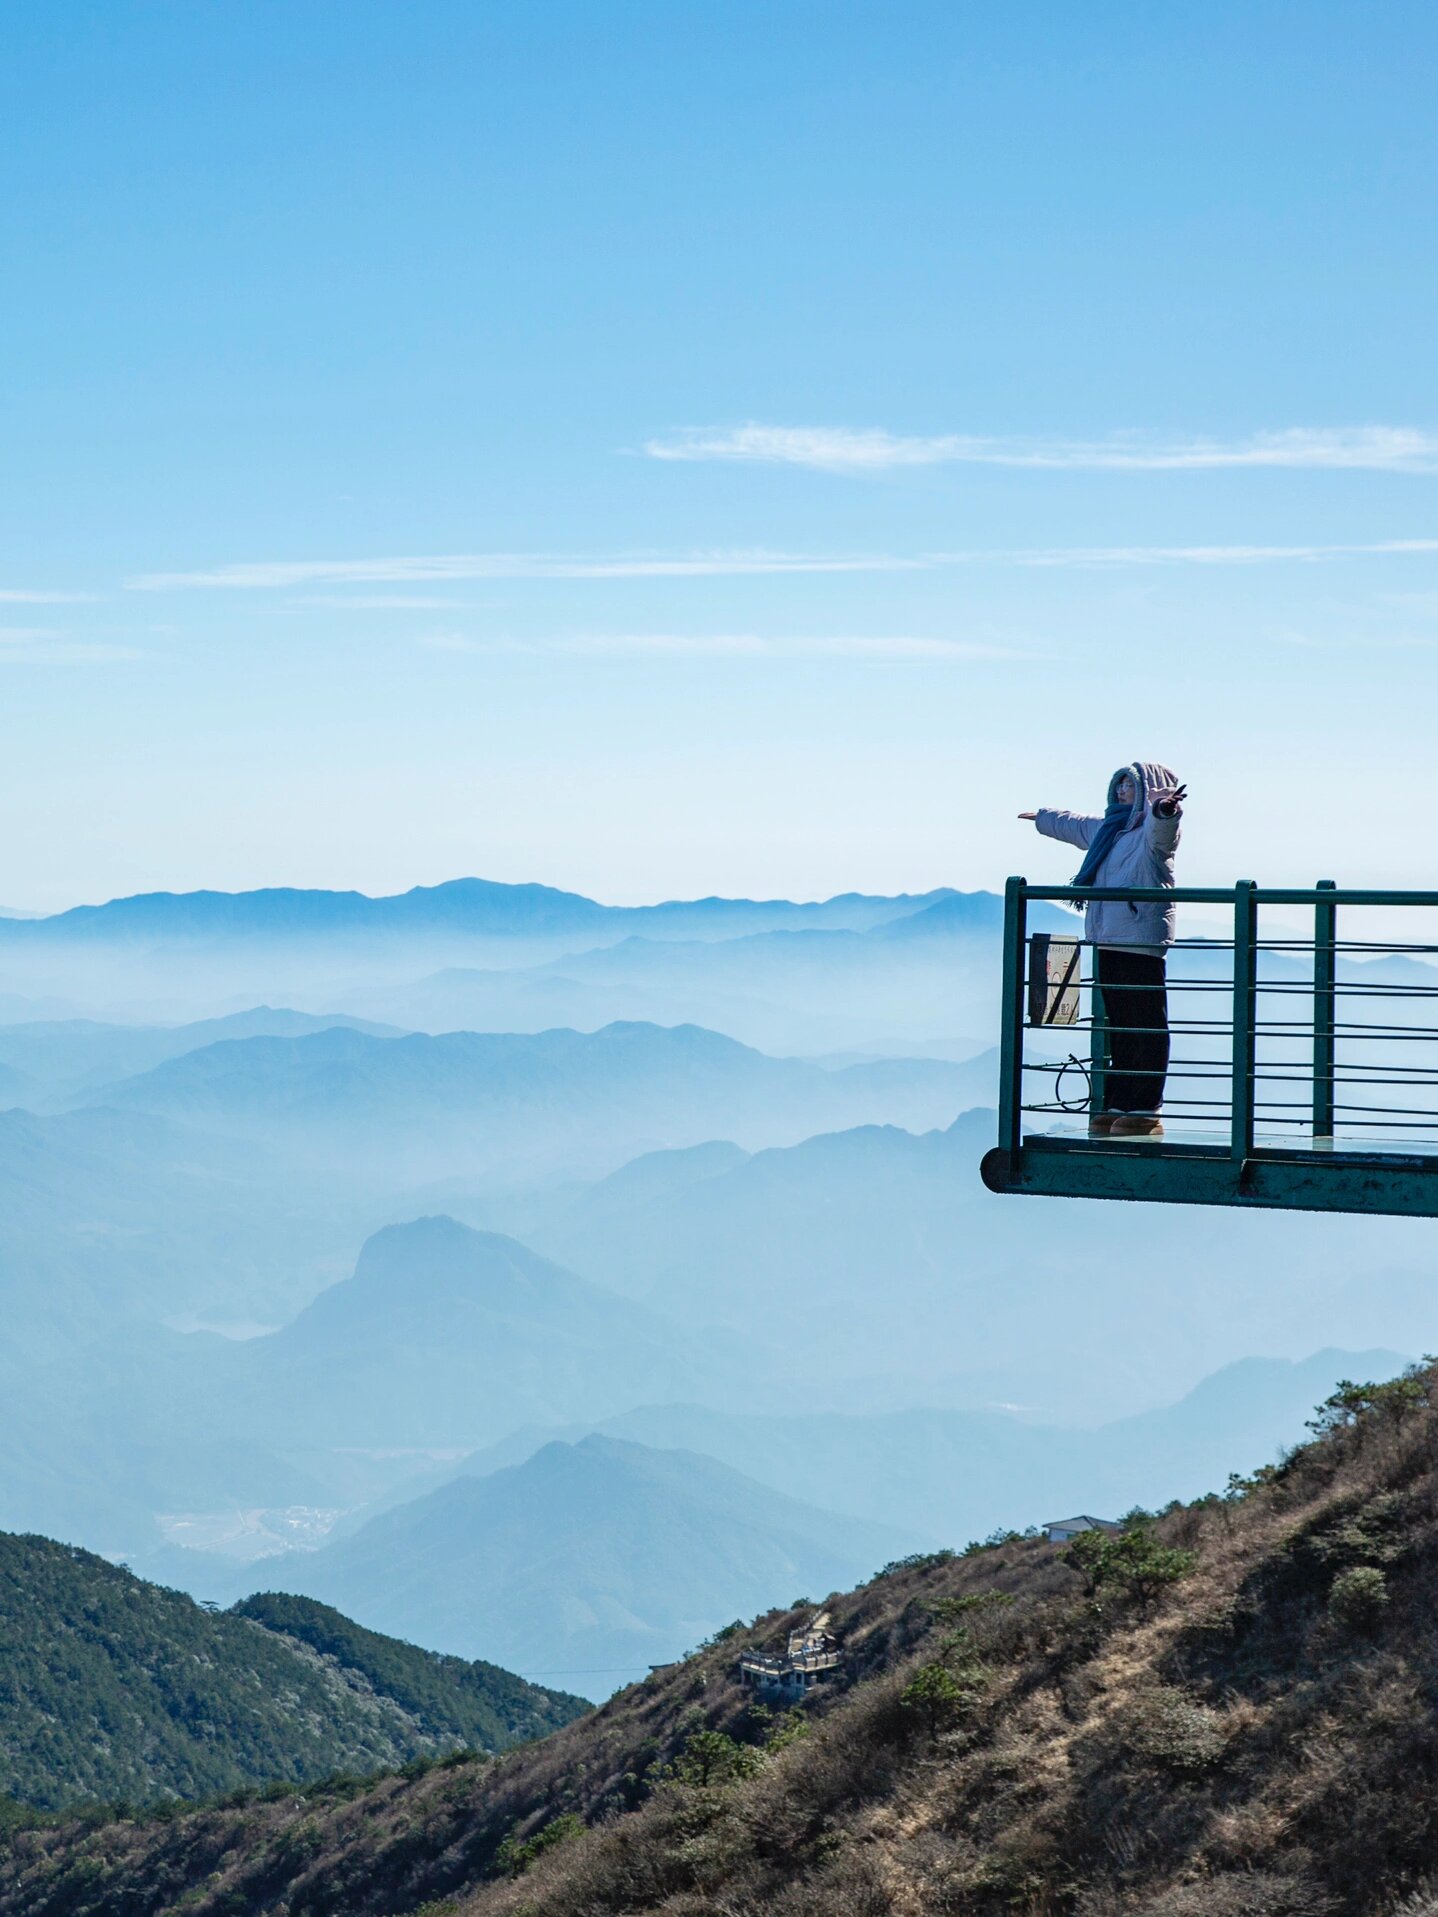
(1130, 848)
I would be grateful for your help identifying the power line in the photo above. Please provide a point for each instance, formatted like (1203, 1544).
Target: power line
(612, 1670)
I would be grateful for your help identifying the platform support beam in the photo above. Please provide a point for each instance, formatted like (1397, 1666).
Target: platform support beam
(1395, 1184)
(1011, 1035)
(1245, 1003)
(1325, 973)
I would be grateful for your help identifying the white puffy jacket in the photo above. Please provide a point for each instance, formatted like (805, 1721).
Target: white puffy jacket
(1141, 857)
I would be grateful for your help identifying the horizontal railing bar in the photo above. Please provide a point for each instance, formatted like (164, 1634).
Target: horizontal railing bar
(1273, 1114)
(1170, 1106)
(1395, 1075)
(1306, 1078)
(1223, 895)
(1192, 1067)
(1265, 1027)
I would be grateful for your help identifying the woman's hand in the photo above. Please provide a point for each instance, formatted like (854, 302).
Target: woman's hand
(1167, 801)
(1028, 815)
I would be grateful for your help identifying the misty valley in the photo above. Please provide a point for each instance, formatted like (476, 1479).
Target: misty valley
(662, 1288)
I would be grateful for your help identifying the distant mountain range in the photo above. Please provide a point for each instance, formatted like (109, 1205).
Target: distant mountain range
(957, 1475)
(588, 1553)
(852, 973)
(592, 1559)
(108, 1215)
(524, 1105)
(813, 989)
(114, 1688)
(477, 907)
(444, 1333)
(46, 1062)
(234, 1177)
(831, 975)
(442, 1339)
(874, 1250)
(859, 1271)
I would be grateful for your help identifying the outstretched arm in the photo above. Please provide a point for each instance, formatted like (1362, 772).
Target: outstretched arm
(1161, 825)
(1074, 828)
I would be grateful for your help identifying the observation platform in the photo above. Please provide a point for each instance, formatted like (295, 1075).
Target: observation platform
(1303, 1072)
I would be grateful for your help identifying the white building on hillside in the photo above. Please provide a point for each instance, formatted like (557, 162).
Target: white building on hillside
(1065, 1530)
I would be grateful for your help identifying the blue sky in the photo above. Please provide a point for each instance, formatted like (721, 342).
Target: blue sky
(660, 448)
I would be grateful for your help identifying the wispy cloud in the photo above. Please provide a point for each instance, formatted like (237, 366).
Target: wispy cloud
(751, 645)
(1100, 557)
(841, 449)
(739, 645)
(261, 574)
(280, 575)
(15, 651)
(26, 596)
(378, 602)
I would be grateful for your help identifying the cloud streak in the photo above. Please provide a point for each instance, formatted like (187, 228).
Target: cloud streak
(52, 645)
(740, 645)
(841, 449)
(16, 650)
(1100, 558)
(25, 596)
(283, 573)
(379, 602)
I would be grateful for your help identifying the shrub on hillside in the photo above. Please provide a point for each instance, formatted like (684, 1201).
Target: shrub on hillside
(516, 1854)
(1134, 1562)
(935, 1696)
(916, 1561)
(711, 1758)
(1351, 1405)
(1170, 1728)
(1359, 1598)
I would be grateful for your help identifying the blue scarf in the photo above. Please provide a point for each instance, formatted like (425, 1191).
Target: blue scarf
(1115, 822)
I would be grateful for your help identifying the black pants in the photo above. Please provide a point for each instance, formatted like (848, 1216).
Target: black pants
(1135, 1009)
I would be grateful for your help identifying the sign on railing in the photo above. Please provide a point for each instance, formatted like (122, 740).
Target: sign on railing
(1054, 979)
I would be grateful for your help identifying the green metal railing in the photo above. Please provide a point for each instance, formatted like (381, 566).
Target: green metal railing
(1292, 1107)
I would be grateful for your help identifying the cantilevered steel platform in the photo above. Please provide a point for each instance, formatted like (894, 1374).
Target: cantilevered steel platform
(1312, 1106)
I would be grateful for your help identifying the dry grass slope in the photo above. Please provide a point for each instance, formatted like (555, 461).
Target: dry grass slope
(1258, 1738)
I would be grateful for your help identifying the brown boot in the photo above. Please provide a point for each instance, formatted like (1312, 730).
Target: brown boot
(1137, 1125)
(1100, 1124)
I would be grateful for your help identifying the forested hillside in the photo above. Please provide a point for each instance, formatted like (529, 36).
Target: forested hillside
(111, 1688)
(1231, 1711)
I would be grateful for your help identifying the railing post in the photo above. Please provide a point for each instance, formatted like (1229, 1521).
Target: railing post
(1325, 972)
(1245, 1038)
(1011, 1031)
(1097, 1040)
